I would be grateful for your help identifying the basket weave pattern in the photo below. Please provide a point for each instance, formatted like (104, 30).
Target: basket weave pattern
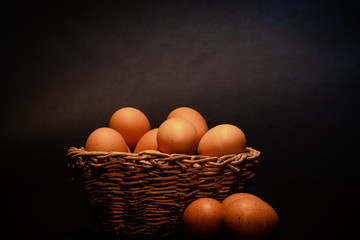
(146, 193)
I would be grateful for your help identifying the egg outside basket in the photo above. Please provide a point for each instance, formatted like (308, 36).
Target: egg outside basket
(145, 194)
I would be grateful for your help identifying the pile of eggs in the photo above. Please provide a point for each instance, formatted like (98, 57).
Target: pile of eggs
(239, 216)
(184, 131)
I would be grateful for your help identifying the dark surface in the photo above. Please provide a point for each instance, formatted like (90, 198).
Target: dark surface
(286, 72)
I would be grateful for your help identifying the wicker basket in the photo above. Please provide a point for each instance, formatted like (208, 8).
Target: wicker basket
(146, 193)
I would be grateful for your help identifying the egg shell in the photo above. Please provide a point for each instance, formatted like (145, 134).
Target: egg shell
(177, 135)
(236, 196)
(147, 142)
(107, 140)
(203, 218)
(222, 140)
(250, 218)
(131, 123)
(192, 116)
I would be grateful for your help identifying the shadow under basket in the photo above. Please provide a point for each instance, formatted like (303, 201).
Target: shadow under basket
(145, 194)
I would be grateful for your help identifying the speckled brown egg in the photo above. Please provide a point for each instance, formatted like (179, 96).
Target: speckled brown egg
(203, 218)
(250, 218)
(234, 197)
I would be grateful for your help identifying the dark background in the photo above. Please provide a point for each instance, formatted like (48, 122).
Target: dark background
(285, 72)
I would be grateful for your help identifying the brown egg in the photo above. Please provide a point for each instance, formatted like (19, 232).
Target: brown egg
(106, 139)
(147, 142)
(192, 116)
(177, 135)
(250, 218)
(203, 218)
(222, 140)
(236, 196)
(131, 123)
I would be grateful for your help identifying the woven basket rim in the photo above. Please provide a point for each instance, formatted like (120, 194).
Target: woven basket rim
(154, 158)
(81, 151)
